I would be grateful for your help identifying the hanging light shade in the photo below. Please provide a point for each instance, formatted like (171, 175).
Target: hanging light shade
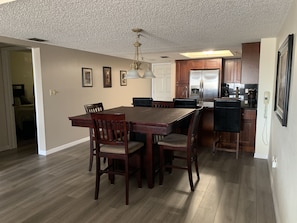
(132, 74)
(148, 74)
(135, 66)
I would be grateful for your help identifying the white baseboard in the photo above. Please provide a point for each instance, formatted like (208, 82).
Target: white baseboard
(65, 146)
(275, 203)
(261, 156)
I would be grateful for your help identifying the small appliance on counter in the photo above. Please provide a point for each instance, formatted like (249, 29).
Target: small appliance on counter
(252, 98)
(250, 95)
(225, 90)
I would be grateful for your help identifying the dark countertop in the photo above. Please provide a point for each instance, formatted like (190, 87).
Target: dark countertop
(210, 105)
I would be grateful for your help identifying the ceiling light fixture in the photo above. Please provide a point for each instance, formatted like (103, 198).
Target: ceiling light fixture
(135, 66)
(6, 1)
(206, 54)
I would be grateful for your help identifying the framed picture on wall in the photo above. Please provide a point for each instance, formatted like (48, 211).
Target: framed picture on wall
(123, 79)
(106, 76)
(283, 77)
(87, 77)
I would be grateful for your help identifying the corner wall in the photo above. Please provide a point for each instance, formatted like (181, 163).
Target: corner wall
(283, 140)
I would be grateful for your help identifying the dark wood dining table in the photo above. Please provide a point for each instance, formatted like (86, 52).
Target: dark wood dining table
(147, 120)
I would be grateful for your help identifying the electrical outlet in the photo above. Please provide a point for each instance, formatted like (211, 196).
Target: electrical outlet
(274, 162)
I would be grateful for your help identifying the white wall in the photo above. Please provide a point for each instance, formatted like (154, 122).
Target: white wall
(267, 69)
(283, 140)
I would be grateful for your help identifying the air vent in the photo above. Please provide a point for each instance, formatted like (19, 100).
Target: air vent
(37, 40)
(164, 57)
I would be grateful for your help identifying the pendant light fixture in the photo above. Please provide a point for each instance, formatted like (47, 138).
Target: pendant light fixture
(135, 66)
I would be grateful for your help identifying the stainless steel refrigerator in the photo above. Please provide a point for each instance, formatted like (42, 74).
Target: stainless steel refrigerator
(204, 85)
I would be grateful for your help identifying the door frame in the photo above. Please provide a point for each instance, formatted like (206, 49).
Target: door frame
(38, 93)
(8, 97)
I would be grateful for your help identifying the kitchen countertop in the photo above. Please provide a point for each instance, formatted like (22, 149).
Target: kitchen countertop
(209, 104)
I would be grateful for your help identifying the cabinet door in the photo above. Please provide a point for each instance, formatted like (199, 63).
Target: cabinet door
(228, 71)
(250, 63)
(248, 132)
(182, 72)
(232, 71)
(182, 91)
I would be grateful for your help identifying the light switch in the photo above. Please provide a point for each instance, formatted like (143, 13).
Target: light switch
(52, 92)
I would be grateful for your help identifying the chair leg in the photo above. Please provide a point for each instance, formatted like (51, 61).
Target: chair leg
(168, 158)
(127, 181)
(139, 180)
(98, 174)
(91, 150)
(111, 176)
(214, 143)
(196, 164)
(189, 163)
(237, 145)
(161, 171)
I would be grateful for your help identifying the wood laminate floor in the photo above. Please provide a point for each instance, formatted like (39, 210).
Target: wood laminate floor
(59, 188)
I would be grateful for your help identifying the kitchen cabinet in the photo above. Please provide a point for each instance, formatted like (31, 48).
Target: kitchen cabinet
(232, 71)
(250, 63)
(248, 130)
(183, 68)
(228, 140)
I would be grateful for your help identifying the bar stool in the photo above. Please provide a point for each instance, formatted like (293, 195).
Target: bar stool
(227, 118)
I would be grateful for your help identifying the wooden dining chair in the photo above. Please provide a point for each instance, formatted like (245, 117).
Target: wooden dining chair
(111, 137)
(185, 103)
(183, 147)
(142, 102)
(162, 104)
(93, 108)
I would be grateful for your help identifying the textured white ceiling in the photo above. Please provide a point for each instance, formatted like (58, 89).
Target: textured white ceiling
(170, 27)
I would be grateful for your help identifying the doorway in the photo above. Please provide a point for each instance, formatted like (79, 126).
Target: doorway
(21, 73)
(18, 70)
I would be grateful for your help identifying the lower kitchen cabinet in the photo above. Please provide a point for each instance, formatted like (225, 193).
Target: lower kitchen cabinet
(248, 130)
(247, 133)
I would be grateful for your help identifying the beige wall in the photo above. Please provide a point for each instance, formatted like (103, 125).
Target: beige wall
(283, 140)
(61, 71)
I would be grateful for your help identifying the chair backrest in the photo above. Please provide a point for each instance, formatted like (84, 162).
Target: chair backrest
(110, 129)
(162, 104)
(193, 130)
(185, 102)
(227, 115)
(93, 108)
(142, 102)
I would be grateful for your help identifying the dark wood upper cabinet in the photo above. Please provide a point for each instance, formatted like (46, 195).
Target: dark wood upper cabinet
(232, 71)
(250, 63)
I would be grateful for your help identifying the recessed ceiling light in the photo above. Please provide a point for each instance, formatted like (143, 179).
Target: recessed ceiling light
(205, 54)
(6, 1)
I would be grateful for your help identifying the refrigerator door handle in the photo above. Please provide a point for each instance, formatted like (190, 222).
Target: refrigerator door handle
(201, 91)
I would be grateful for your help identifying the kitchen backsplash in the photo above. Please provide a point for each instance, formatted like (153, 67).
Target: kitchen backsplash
(247, 93)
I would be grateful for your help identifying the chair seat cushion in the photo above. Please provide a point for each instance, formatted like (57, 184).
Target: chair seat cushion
(132, 147)
(174, 140)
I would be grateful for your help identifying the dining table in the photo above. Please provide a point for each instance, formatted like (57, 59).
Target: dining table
(146, 120)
